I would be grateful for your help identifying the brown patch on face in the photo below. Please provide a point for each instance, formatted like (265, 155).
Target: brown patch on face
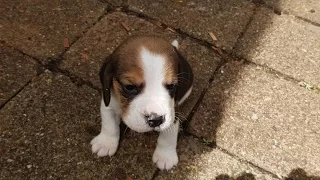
(124, 103)
(134, 76)
(171, 71)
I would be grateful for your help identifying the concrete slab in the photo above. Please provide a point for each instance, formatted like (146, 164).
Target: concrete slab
(16, 70)
(283, 43)
(225, 19)
(198, 161)
(86, 56)
(271, 122)
(46, 132)
(306, 9)
(39, 29)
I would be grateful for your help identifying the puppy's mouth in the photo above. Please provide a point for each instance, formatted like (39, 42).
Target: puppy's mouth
(159, 128)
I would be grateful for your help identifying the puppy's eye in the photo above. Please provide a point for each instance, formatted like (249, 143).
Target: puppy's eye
(170, 87)
(130, 88)
(129, 91)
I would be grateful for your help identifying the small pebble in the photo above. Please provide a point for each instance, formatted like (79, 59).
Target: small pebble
(9, 160)
(254, 117)
(29, 166)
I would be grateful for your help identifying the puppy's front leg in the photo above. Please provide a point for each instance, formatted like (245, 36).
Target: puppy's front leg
(165, 155)
(106, 143)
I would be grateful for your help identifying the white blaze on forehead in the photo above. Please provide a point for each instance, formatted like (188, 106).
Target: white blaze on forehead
(153, 67)
(155, 98)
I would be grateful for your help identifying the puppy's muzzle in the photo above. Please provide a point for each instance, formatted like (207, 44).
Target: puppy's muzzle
(154, 120)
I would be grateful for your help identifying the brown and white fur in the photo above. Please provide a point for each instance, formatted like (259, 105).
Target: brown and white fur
(142, 81)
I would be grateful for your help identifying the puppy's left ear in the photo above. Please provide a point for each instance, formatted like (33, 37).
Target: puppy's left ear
(106, 79)
(185, 77)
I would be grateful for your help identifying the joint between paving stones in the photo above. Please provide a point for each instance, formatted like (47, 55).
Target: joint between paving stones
(307, 20)
(261, 3)
(279, 74)
(248, 162)
(242, 33)
(15, 94)
(53, 66)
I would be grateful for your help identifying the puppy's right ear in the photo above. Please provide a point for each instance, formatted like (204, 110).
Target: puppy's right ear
(106, 79)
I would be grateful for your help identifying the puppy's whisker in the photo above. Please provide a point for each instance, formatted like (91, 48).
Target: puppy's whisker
(183, 81)
(180, 116)
(125, 130)
(182, 73)
(181, 77)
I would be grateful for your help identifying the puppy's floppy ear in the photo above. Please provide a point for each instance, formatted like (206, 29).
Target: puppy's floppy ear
(106, 79)
(185, 77)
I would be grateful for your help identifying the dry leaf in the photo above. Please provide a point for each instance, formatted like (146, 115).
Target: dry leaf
(85, 56)
(125, 26)
(66, 43)
(213, 37)
(217, 49)
(129, 178)
(170, 29)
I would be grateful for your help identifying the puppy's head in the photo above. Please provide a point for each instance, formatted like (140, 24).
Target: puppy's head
(148, 76)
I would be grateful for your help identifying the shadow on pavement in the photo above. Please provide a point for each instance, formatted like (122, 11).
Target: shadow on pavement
(296, 174)
(245, 176)
(300, 174)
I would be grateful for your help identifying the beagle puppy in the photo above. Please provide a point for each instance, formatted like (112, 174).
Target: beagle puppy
(142, 82)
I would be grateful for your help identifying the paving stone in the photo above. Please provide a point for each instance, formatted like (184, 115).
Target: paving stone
(46, 132)
(225, 19)
(271, 122)
(307, 9)
(16, 70)
(283, 43)
(86, 56)
(39, 29)
(198, 161)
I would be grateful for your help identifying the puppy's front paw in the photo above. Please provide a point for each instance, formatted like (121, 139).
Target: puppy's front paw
(165, 159)
(104, 145)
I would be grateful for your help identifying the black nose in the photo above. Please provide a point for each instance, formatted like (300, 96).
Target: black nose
(154, 120)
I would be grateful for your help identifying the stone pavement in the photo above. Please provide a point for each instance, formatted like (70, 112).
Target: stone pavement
(254, 112)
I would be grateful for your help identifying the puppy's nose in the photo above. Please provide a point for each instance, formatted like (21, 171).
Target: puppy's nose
(154, 120)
